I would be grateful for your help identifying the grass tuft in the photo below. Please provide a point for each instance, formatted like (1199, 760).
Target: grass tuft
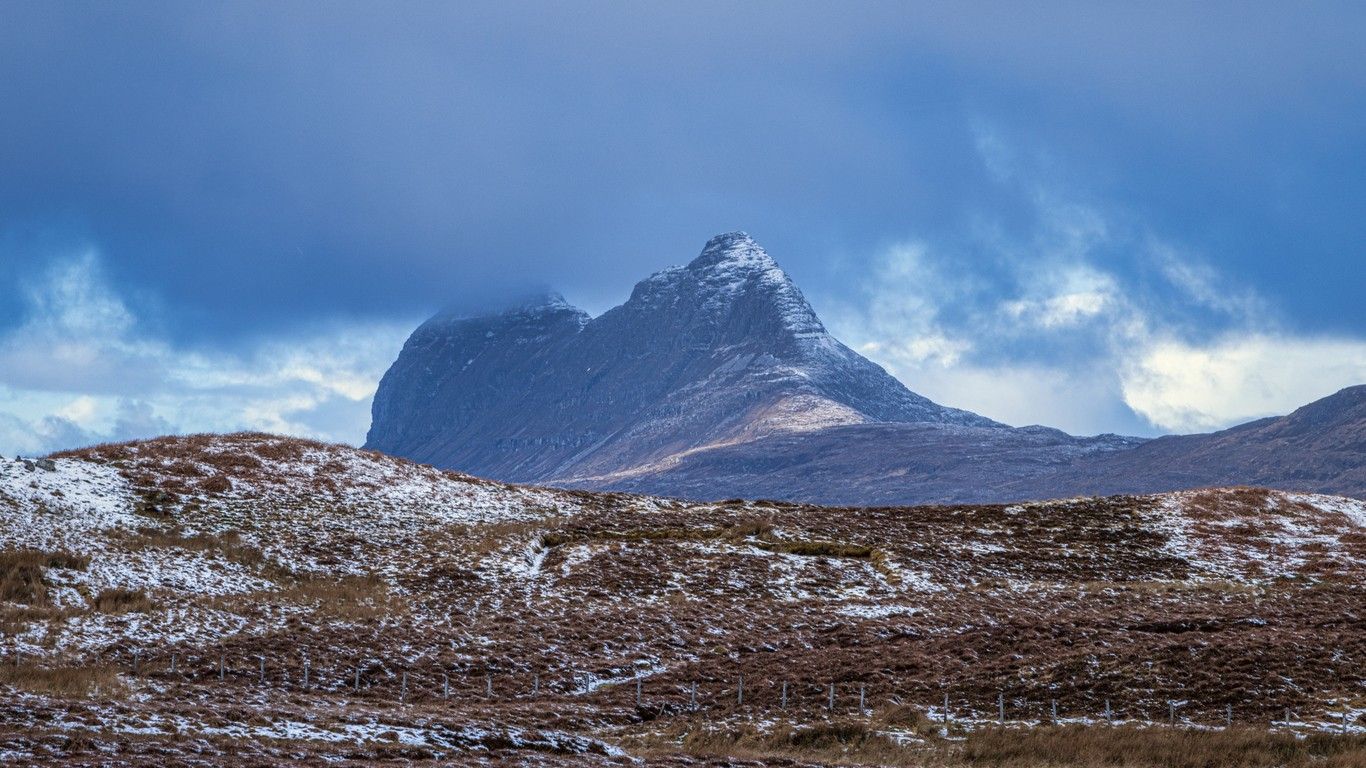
(22, 573)
(117, 601)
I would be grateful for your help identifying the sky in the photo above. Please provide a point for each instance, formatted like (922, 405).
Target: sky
(1105, 217)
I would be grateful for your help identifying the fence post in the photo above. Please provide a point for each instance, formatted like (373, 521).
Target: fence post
(1228, 715)
(445, 685)
(1287, 715)
(263, 670)
(1053, 703)
(1001, 708)
(136, 658)
(305, 674)
(637, 692)
(832, 697)
(403, 690)
(220, 665)
(488, 684)
(536, 684)
(740, 692)
(1171, 713)
(1109, 718)
(692, 697)
(173, 661)
(784, 699)
(355, 684)
(860, 699)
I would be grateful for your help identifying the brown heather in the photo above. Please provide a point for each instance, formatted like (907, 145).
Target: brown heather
(1083, 601)
(21, 573)
(118, 600)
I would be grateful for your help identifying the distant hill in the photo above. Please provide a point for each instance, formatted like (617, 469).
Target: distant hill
(718, 380)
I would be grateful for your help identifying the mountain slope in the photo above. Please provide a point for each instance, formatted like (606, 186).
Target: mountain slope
(221, 599)
(717, 380)
(1319, 448)
(723, 350)
(874, 464)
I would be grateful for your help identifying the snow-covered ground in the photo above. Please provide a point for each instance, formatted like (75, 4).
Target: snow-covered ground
(396, 584)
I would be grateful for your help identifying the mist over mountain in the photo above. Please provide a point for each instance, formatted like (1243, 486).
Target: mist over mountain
(717, 379)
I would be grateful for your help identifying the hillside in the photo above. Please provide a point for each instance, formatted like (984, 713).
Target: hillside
(1320, 447)
(248, 598)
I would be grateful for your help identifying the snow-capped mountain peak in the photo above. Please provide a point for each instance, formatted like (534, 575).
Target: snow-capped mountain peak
(722, 349)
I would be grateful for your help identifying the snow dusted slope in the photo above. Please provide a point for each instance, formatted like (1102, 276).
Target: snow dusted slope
(185, 518)
(131, 572)
(717, 380)
(718, 352)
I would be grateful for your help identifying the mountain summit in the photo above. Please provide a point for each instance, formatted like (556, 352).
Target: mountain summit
(723, 350)
(717, 380)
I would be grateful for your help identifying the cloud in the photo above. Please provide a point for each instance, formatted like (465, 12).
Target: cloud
(258, 167)
(1084, 319)
(1189, 387)
(1072, 296)
(81, 367)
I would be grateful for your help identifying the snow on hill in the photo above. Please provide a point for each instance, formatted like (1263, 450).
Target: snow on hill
(406, 594)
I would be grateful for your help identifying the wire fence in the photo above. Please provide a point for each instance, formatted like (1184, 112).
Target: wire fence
(402, 684)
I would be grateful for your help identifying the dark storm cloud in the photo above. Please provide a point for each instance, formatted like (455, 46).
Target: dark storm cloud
(241, 184)
(252, 164)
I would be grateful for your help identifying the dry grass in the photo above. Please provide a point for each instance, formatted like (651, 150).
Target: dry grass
(67, 681)
(16, 619)
(21, 573)
(350, 598)
(847, 742)
(117, 601)
(819, 549)
(758, 531)
(1158, 748)
(760, 527)
(480, 540)
(841, 742)
(228, 544)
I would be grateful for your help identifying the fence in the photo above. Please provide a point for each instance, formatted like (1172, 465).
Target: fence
(404, 684)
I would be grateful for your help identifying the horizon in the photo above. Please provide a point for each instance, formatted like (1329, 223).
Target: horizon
(224, 217)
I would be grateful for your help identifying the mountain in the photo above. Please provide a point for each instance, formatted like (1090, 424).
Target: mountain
(725, 350)
(253, 599)
(717, 380)
(1320, 447)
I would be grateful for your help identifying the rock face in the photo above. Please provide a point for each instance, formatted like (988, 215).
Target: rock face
(717, 380)
(723, 350)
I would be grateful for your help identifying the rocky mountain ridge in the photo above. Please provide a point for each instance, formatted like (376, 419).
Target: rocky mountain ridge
(723, 350)
(717, 380)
